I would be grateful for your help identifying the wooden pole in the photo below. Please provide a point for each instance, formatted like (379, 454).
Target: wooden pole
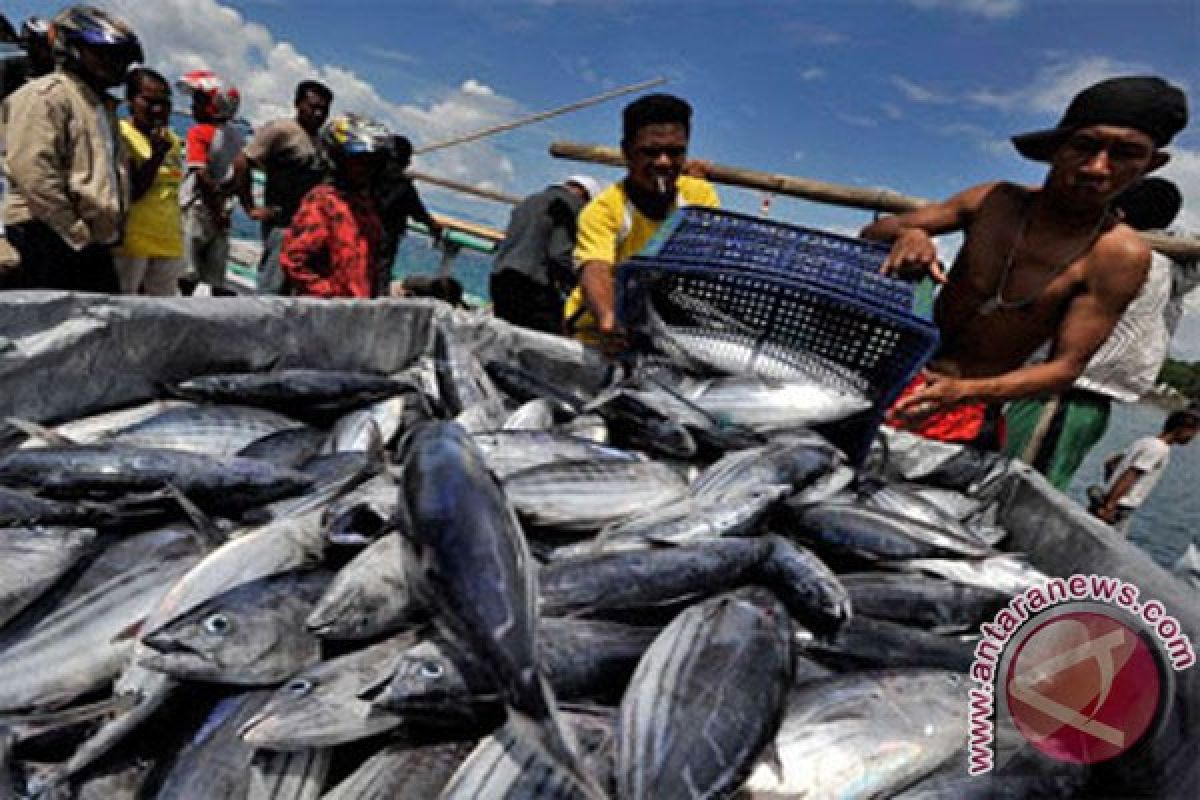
(475, 229)
(879, 200)
(464, 188)
(541, 115)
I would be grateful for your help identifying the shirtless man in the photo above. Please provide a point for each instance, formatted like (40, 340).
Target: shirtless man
(1051, 263)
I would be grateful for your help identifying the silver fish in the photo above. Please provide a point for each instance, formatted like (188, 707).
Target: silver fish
(293, 775)
(510, 764)
(228, 484)
(371, 595)
(321, 706)
(215, 764)
(251, 635)
(360, 515)
(795, 460)
(1008, 572)
(922, 601)
(32, 559)
(85, 643)
(462, 380)
(587, 495)
(769, 405)
(210, 430)
(858, 533)
(292, 390)
(536, 415)
(864, 735)
(403, 770)
(705, 699)
(509, 452)
(92, 429)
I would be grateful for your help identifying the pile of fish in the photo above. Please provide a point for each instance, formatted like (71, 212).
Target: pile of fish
(465, 580)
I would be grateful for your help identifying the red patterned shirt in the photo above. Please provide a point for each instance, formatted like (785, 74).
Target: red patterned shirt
(331, 247)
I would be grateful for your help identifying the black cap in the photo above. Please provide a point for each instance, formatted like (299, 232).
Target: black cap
(1145, 103)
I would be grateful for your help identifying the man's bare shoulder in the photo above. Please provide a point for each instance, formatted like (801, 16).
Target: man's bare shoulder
(1119, 260)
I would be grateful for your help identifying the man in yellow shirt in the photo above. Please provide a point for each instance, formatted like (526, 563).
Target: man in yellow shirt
(150, 257)
(619, 222)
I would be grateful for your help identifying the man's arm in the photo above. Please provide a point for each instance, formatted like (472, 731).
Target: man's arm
(1116, 270)
(421, 214)
(243, 186)
(143, 175)
(34, 132)
(914, 253)
(1107, 510)
(599, 292)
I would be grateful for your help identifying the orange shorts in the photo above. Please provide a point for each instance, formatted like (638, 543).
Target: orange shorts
(975, 424)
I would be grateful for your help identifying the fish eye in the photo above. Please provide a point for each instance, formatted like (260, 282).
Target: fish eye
(218, 624)
(432, 670)
(300, 686)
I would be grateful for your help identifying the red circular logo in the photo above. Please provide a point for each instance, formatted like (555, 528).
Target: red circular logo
(1083, 687)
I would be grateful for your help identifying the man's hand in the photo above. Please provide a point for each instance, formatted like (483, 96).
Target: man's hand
(1106, 513)
(939, 393)
(263, 213)
(160, 145)
(913, 256)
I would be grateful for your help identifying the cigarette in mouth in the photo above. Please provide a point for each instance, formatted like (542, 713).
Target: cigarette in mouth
(662, 184)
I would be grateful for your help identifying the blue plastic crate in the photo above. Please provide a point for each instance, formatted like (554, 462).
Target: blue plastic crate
(715, 238)
(784, 314)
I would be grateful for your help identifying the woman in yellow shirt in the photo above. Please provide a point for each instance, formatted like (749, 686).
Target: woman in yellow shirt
(150, 257)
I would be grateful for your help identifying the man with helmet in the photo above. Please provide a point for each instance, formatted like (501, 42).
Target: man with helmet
(213, 143)
(289, 152)
(331, 248)
(66, 168)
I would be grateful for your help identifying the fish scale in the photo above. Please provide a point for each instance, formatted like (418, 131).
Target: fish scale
(212, 430)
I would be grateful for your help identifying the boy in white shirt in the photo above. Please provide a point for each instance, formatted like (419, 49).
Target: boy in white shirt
(1132, 475)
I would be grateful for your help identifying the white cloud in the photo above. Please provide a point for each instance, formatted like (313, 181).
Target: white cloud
(1184, 170)
(986, 140)
(916, 92)
(180, 35)
(990, 9)
(1055, 84)
(812, 74)
(891, 111)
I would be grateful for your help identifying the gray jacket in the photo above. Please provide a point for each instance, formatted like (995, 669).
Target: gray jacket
(540, 239)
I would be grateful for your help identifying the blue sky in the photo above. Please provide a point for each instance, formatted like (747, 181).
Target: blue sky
(915, 95)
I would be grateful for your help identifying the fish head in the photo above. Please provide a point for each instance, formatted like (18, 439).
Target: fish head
(434, 677)
(226, 643)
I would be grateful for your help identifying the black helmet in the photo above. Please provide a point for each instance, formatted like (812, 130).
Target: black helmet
(353, 134)
(86, 26)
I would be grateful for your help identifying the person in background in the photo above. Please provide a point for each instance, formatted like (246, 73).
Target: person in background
(533, 270)
(213, 143)
(1055, 434)
(289, 152)
(149, 259)
(68, 184)
(439, 287)
(619, 221)
(35, 40)
(331, 248)
(398, 202)
(1131, 475)
(1036, 265)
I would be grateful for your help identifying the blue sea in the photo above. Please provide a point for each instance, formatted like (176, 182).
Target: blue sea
(1166, 523)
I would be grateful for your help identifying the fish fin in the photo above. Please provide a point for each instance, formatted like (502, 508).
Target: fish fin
(40, 722)
(40, 432)
(552, 736)
(204, 524)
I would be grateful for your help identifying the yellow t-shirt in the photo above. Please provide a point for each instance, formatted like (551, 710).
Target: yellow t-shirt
(154, 228)
(611, 229)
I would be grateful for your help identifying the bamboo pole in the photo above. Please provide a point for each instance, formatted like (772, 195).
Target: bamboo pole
(541, 115)
(464, 188)
(879, 200)
(473, 228)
